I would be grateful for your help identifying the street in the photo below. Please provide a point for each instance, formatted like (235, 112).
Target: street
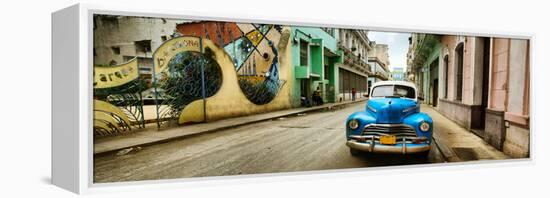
(314, 141)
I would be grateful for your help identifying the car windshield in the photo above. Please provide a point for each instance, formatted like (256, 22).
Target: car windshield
(393, 91)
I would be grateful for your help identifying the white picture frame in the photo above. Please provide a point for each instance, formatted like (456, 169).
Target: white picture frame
(72, 140)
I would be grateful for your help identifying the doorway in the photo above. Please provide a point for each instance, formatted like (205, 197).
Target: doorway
(459, 56)
(478, 126)
(434, 82)
(485, 87)
(305, 89)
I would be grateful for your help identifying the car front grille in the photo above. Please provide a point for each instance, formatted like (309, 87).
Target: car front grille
(401, 131)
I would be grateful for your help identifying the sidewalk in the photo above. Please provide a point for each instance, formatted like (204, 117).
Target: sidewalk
(151, 135)
(457, 143)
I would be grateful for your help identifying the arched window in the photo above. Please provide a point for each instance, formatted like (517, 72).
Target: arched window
(459, 62)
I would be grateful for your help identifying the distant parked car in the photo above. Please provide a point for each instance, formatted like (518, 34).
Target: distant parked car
(391, 122)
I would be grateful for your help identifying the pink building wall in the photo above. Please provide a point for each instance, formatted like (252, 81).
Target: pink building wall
(450, 43)
(509, 93)
(463, 111)
(467, 86)
(504, 121)
(499, 74)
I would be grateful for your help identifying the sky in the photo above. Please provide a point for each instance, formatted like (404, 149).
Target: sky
(398, 44)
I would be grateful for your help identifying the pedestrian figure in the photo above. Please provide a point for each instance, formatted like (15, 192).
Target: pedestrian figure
(317, 99)
(353, 94)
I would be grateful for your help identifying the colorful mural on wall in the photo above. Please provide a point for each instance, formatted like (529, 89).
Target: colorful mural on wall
(252, 48)
(193, 67)
(205, 71)
(190, 76)
(259, 72)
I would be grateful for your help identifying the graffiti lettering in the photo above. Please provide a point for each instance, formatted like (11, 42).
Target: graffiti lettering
(108, 77)
(172, 47)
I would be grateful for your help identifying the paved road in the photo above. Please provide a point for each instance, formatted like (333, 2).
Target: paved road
(301, 143)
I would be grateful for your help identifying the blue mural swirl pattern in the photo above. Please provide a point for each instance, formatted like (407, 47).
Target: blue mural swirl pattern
(183, 84)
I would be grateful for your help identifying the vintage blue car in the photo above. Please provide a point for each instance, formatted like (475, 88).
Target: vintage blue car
(391, 123)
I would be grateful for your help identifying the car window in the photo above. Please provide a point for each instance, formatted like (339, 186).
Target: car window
(393, 91)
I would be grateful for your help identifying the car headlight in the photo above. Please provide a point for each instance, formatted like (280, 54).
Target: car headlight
(353, 124)
(424, 126)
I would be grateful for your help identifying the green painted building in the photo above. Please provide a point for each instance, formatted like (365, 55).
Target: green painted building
(426, 67)
(314, 55)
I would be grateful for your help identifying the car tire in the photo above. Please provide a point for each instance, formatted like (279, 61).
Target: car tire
(354, 152)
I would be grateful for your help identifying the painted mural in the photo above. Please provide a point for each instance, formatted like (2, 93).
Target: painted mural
(253, 51)
(204, 71)
(190, 76)
(192, 68)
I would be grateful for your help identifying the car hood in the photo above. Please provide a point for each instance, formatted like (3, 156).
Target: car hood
(391, 110)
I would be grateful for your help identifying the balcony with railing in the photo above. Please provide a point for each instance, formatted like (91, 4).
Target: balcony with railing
(422, 49)
(357, 61)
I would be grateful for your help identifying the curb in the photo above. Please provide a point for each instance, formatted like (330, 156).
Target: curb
(179, 137)
(448, 154)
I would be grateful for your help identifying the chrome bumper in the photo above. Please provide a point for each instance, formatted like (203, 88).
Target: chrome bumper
(380, 148)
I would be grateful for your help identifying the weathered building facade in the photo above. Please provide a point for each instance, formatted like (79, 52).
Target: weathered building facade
(481, 83)
(508, 110)
(119, 39)
(423, 60)
(379, 61)
(464, 70)
(314, 55)
(355, 70)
